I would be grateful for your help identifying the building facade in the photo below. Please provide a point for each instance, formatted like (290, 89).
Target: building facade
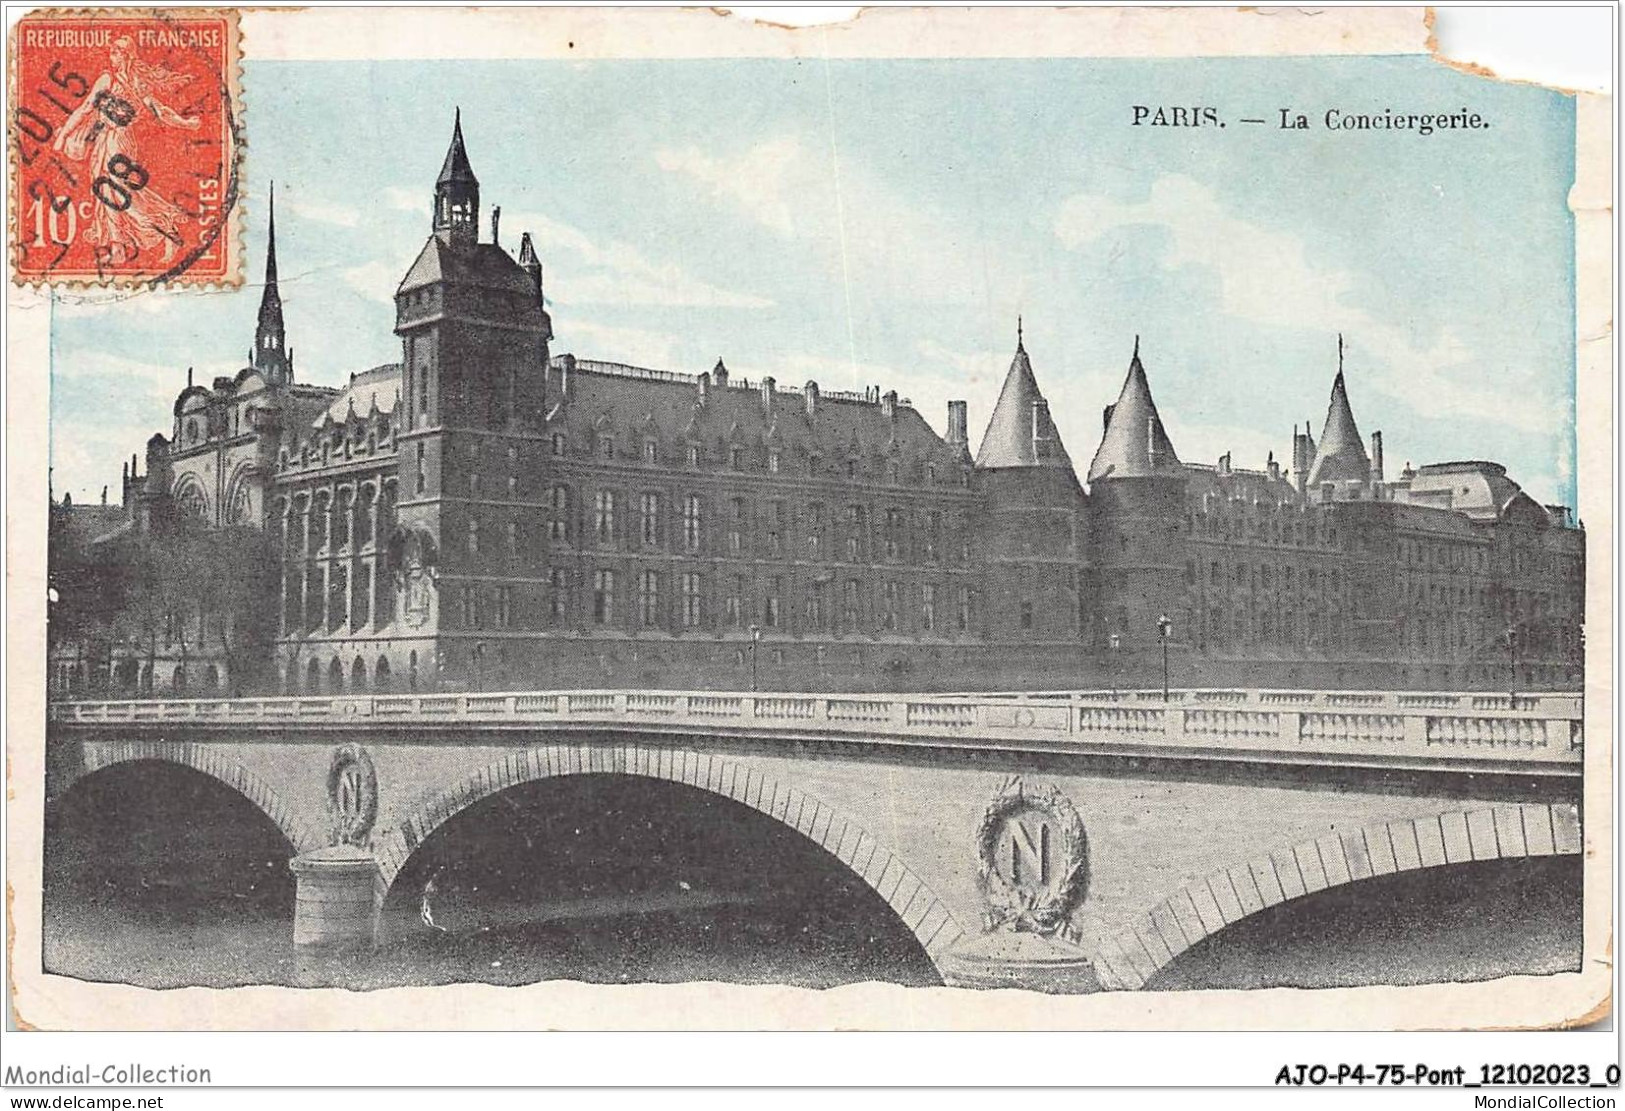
(489, 514)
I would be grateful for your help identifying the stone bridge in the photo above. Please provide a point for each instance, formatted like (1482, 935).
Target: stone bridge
(1065, 841)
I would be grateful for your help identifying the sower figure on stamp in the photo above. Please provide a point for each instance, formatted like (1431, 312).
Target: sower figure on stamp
(129, 217)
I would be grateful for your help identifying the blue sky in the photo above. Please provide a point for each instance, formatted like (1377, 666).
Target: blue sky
(884, 222)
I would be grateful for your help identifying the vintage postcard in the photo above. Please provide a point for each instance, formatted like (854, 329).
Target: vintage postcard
(960, 519)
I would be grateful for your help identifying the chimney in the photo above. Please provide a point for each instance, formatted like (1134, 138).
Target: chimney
(888, 404)
(958, 430)
(767, 394)
(704, 382)
(1224, 463)
(1041, 428)
(1274, 468)
(1106, 418)
(1376, 457)
(188, 377)
(810, 392)
(496, 222)
(719, 374)
(104, 495)
(567, 365)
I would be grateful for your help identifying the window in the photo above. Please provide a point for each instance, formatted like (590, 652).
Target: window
(603, 597)
(736, 517)
(736, 458)
(851, 468)
(558, 510)
(894, 530)
(603, 516)
(1026, 615)
(471, 607)
(773, 462)
(557, 443)
(473, 536)
(731, 605)
(815, 607)
(849, 605)
(513, 539)
(770, 604)
(649, 599)
(513, 486)
(930, 472)
(851, 549)
(891, 472)
(473, 484)
(649, 507)
(888, 596)
(423, 471)
(964, 609)
(651, 451)
(928, 608)
(815, 530)
(693, 455)
(691, 523)
(504, 606)
(606, 446)
(558, 588)
(691, 599)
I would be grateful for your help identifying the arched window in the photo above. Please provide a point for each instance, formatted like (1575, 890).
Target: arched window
(179, 682)
(358, 674)
(313, 677)
(412, 671)
(212, 675)
(380, 674)
(335, 676)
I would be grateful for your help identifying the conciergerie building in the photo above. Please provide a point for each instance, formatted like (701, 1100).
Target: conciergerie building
(488, 514)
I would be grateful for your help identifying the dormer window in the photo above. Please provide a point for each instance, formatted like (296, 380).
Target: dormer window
(851, 468)
(606, 446)
(931, 472)
(892, 472)
(736, 458)
(773, 462)
(693, 455)
(558, 444)
(651, 451)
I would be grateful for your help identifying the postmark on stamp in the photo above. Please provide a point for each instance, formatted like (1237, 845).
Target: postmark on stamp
(125, 137)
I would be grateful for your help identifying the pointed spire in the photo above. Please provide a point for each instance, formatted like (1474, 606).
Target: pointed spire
(1135, 444)
(1020, 432)
(456, 167)
(270, 334)
(1341, 455)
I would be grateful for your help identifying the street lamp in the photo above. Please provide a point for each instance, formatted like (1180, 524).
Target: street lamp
(1164, 628)
(755, 636)
(1116, 642)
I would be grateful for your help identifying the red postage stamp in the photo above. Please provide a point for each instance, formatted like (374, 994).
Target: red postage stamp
(125, 134)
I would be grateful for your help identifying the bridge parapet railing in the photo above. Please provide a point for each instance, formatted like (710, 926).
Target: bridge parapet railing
(1430, 727)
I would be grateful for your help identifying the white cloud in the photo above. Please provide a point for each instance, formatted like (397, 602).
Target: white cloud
(613, 272)
(405, 200)
(759, 180)
(884, 244)
(323, 212)
(608, 343)
(1267, 277)
(376, 280)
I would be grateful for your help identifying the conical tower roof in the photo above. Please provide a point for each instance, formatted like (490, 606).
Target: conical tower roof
(456, 166)
(1135, 445)
(1020, 432)
(1341, 456)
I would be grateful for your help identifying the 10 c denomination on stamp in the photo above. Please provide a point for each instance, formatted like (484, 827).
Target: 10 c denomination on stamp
(125, 137)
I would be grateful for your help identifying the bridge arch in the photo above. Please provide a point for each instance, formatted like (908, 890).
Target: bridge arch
(910, 898)
(99, 756)
(1135, 953)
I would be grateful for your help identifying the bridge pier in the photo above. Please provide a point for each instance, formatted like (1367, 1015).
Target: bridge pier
(337, 900)
(1001, 959)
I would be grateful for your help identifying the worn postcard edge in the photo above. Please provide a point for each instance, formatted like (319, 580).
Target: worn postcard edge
(40, 1001)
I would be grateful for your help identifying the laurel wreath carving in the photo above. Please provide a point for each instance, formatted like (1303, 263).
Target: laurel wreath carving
(351, 829)
(1045, 911)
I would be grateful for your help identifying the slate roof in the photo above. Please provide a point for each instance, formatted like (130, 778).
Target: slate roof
(1341, 456)
(1013, 437)
(478, 264)
(1135, 444)
(381, 386)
